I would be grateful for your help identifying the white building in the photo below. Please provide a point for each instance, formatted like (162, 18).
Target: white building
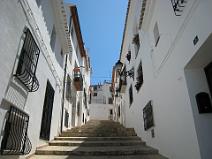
(166, 59)
(101, 102)
(39, 89)
(79, 71)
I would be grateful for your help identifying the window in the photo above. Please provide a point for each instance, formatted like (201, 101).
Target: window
(15, 140)
(139, 78)
(156, 34)
(208, 72)
(83, 117)
(68, 88)
(66, 118)
(148, 116)
(111, 111)
(128, 56)
(136, 42)
(178, 6)
(131, 95)
(38, 2)
(110, 100)
(94, 88)
(27, 63)
(53, 38)
(94, 94)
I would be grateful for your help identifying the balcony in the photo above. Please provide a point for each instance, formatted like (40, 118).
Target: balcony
(78, 80)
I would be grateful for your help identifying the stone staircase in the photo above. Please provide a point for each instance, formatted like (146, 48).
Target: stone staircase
(98, 139)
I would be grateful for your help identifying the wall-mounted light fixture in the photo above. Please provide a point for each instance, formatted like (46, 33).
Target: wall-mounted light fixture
(123, 74)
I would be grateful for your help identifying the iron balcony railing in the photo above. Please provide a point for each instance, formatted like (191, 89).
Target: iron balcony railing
(27, 64)
(15, 140)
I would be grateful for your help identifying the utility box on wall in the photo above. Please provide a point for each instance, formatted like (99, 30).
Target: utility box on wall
(203, 102)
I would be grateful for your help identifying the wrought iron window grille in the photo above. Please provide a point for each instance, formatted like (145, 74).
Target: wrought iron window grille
(148, 116)
(15, 140)
(139, 78)
(27, 63)
(136, 41)
(129, 73)
(178, 6)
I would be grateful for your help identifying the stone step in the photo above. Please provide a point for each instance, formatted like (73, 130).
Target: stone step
(96, 143)
(98, 157)
(92, 134)
(96, 151)
(97, 138)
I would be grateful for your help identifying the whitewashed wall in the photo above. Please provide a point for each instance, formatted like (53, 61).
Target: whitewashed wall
(100, 111)
(171, 84)
(13, 20)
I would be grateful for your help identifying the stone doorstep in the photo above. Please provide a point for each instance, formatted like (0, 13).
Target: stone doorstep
(97, 138)
(96, 143)
(96, 151)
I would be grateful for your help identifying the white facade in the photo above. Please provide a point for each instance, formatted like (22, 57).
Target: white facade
(173, 74)
(56, 56)
(101, 104)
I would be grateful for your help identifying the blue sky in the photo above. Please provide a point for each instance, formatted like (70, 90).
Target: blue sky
(102, 25)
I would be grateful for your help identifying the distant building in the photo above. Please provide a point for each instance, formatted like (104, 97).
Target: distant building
(162, 84)
(101, 102)
(45, 73)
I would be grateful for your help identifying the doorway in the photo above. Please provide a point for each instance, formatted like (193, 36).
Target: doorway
(47, 112)
(208, 72)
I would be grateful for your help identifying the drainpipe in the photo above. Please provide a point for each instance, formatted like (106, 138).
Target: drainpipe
(63, 94)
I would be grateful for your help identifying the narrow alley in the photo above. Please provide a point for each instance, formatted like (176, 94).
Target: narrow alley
(105, 79)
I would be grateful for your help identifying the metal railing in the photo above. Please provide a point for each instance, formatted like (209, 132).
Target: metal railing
(15, 140)
(178, 6)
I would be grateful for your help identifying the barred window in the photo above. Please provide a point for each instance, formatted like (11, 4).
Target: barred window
(148, 116)
(136, 42)
(131, 95)
(139, 78)
(27, 63)
(15, 139)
